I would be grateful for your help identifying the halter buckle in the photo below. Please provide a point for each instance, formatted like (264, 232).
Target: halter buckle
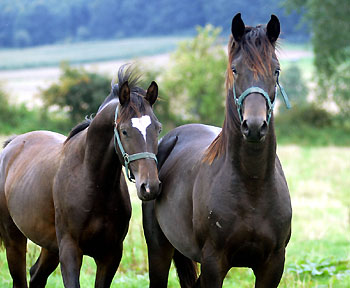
(126, 158)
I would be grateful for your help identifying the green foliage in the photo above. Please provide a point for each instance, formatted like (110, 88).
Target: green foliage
(310, 124)
(194, 83)
(325, 267)
(78, 91)
(341, 89)
(330, 25)
(4, 106)
(38, 22)
(18, 119)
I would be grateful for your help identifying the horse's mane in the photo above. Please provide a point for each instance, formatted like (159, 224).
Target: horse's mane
(256, 48)
(125, 73)
(78, 128)
(136, 104)
(8, 140)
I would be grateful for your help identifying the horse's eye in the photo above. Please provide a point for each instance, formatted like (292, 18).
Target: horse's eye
(234, 71)
(277, 72)
(160, 130)
(124, 132)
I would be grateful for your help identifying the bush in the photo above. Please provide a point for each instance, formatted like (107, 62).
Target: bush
(194, 83)
(78, 92)
(341, 90)
(311, 125)
(18, 119)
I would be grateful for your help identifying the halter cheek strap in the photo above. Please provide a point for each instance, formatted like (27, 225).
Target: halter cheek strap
(271, 105)
(126, 157)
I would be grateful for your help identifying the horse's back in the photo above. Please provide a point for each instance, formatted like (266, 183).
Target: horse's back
(188, 141)
(28, 164)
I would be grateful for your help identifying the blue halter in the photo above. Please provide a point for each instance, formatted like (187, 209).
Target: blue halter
(271, 105)
(126, 157)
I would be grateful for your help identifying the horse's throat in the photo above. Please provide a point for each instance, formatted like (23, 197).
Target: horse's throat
(254, 160)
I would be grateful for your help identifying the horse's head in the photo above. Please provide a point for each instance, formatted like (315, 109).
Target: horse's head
(253, 71)
(136, 137)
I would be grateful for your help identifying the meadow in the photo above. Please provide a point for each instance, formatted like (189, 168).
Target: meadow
(318, 254)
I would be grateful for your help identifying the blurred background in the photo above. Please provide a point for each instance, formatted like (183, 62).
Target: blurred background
(58, 57)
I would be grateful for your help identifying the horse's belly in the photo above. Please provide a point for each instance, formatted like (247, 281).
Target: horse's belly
(31, 207)
(178, 229)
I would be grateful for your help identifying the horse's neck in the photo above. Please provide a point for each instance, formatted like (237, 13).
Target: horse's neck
(100, 156)
(255, 161)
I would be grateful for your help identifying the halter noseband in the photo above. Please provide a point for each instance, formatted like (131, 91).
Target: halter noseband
(126, 157)
(271, 105)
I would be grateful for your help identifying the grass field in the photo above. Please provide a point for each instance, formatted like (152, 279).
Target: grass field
(85, 52)
(318, 254)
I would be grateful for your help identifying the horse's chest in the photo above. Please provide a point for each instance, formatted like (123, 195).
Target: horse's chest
(102, 231)
(246, 227)
(243, 238)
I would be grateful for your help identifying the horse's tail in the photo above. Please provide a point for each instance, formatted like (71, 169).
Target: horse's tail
(186, 270)
(8, 140)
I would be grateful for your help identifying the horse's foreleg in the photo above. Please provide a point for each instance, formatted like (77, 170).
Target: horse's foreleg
(70, 256)
(268, 275)
(213, 268)
(160, 251)
(43, 267)
(107, 267)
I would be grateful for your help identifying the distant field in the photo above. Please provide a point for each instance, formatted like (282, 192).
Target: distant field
(23, 72)
(85, 52)
(318, 254)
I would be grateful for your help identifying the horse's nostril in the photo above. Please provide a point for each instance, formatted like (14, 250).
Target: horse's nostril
(245, 128)
(263, 129)
(146, 187)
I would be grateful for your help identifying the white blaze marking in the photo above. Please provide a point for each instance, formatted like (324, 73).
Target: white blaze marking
(141, 124)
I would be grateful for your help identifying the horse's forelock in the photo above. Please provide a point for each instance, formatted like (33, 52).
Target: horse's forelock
(134, 108)
(256, 48)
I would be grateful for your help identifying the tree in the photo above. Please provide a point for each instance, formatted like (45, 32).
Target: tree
(195, 81)
(78, 91)
(330, 25)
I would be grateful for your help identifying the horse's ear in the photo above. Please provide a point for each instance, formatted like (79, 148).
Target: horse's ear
(152, 93)
(273, 29)
(237, 27)
(115, 90)
(124, 94)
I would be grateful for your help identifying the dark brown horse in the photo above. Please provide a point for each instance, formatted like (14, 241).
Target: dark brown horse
(69, 195)
(224, 200)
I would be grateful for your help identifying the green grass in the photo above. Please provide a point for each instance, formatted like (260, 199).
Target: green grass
(84, 52)
(318, 254)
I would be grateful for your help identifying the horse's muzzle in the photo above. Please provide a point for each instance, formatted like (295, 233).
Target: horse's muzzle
(254, 129)
(148, 190)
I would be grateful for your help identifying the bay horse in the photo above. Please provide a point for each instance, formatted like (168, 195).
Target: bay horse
(224, 200)
(69, 195)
